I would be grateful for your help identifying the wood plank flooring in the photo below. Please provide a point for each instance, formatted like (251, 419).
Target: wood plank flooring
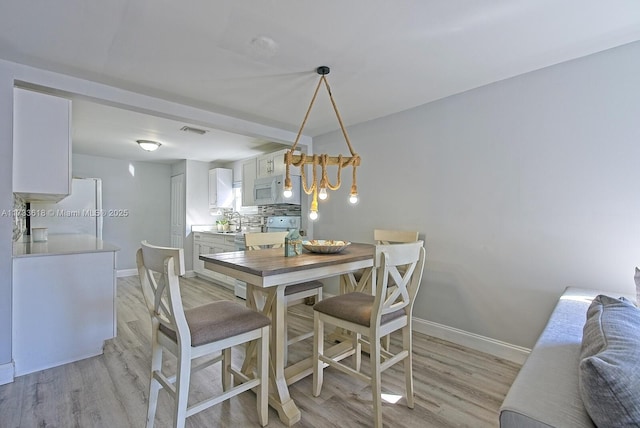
(454, 386)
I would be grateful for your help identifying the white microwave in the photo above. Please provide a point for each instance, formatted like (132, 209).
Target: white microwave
(269, 191)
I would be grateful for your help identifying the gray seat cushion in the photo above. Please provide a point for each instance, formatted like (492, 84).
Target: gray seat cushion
(354, 307)
(610, 362)
(219, 320)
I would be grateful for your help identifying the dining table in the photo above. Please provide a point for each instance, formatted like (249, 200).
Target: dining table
(267, 273)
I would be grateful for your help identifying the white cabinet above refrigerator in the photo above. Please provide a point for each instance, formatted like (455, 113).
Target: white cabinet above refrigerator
(41, 146)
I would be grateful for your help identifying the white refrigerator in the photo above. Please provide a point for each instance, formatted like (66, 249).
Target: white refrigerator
(79, 213)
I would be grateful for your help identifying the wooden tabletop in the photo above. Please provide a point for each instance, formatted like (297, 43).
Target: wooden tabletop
(270, 262)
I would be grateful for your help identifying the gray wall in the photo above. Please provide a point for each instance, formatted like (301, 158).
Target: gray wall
(520, 189)
(143, 188)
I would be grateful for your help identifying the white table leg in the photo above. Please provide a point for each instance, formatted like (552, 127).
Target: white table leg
(271, 302)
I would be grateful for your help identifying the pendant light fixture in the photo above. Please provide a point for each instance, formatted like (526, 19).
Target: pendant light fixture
(320, 184)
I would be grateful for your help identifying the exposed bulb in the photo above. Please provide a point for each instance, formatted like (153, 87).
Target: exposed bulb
(313, 215)
(322, 194)
(353, 198)
(287, 193)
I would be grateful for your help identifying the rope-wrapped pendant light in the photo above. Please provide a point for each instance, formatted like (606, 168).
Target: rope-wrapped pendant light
(319, 187)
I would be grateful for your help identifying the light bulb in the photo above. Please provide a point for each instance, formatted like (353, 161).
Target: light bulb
(287, 193)
(313, 215)
(353, 198)
(322, 194)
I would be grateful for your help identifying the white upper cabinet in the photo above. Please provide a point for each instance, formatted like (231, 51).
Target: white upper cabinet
(220, 188)
(271, 164)
(41, 146)
(248, 177)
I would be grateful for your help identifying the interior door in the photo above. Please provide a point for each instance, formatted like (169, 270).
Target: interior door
(177, 211)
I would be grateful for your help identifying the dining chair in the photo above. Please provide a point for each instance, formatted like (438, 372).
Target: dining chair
(371, 317)
(387, 236)
(381, 237)
(210, 329)
(363, 278)
(294, 294)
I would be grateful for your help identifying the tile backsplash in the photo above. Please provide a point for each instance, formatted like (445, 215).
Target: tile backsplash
(19, 217)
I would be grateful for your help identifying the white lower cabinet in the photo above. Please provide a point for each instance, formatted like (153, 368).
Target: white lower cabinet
(64, 308)
(212, 243)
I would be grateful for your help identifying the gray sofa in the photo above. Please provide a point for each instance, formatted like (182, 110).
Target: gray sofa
(546, 391)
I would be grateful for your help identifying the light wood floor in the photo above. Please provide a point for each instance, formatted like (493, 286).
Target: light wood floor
(454, 386)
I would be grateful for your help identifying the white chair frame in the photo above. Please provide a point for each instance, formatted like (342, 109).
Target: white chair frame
(165, 307)
(410, 257)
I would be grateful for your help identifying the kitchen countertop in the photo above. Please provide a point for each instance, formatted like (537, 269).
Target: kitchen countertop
(61, 244)
(213, 230)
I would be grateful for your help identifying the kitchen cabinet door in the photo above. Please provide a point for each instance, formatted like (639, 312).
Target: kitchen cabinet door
(249, 174)
(41, 146)
(198, 265)
(264, 165)
(211, 243)
(271, 164)
(220, 188)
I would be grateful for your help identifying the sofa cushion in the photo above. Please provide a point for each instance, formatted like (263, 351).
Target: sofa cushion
(609, 370)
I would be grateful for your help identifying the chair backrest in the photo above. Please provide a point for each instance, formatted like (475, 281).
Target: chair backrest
(258, 241)
(158, 270)
(382, 236)
(399, 265)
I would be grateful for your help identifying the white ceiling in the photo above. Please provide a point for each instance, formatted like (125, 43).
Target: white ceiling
(256, 59)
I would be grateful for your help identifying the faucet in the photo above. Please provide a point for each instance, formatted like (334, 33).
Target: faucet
(233, 214)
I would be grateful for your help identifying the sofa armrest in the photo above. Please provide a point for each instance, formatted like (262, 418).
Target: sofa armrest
(545, 392)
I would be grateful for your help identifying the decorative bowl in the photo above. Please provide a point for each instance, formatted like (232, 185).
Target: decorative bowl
(325, 246)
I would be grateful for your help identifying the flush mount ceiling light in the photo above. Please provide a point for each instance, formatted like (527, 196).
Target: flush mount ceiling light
(148, 145)
(319, 188)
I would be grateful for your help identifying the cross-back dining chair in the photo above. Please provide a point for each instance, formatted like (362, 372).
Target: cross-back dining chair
(371, 317)
(387, 236)
(294, 294)
(381, 237)
(210, 329)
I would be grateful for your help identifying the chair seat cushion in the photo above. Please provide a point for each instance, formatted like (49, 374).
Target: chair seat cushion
(355, 307)
(219, 320)
(303, 286)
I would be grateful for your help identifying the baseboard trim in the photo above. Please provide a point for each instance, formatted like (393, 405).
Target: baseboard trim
(190, 274)
(7, 373)
(126, 272)
(497, 348)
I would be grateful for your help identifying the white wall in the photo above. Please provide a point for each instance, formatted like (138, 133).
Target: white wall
(142, 188)
(520, 189)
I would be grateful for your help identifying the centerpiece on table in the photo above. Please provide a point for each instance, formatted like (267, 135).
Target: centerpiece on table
(292, 244)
